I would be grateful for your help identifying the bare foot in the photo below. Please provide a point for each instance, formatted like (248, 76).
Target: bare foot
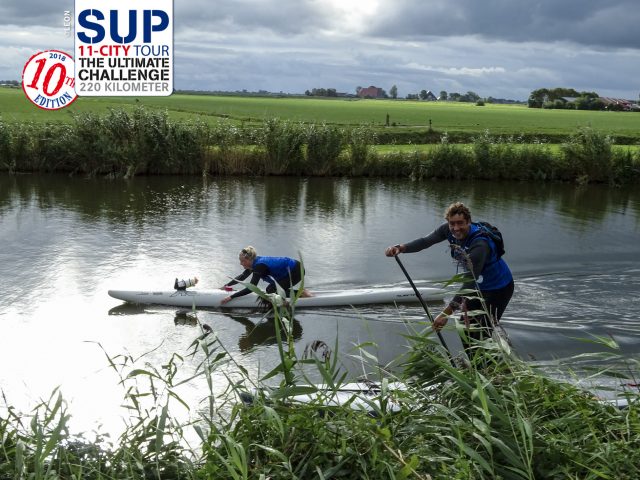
(306, 293)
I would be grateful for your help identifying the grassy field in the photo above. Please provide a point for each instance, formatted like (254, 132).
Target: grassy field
(409, 116)
(427, 148)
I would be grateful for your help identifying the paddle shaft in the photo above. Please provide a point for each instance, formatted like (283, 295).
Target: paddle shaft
(424, 305)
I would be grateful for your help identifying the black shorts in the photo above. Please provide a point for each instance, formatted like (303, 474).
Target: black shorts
(294, 277)
(496, 302)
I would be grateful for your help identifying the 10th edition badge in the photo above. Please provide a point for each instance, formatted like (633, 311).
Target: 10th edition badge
(48, 80)
(124, 48)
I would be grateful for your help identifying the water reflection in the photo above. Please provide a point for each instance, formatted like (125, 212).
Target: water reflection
(66, 241)
(257, 332)
(263, 332)
(144, 199)
(127, 309)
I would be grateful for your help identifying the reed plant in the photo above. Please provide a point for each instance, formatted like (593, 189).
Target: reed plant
(625, 167)
(446, 161)
(503, 420)
(588, 155)
(283, 141)
(147, 142)
(359, 141)
(324, 144)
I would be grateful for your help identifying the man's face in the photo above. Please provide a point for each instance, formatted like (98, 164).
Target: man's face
(459, 226)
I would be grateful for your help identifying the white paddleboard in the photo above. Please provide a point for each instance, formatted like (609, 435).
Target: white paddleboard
(326, 298)
(363, 396)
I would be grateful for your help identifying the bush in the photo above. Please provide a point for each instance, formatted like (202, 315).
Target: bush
(324, 145)
(283, 142)
(587, 155)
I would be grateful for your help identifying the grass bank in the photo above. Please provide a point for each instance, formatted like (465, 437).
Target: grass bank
(505, 420)
(394, 121)
(124, 143)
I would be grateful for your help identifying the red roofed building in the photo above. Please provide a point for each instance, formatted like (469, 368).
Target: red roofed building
(371, 92)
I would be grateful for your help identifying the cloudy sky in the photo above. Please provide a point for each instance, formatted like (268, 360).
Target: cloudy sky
(498, 48)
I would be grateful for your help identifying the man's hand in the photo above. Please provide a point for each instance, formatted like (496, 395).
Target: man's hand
(440, 321)
(225, 300)
(393, 250)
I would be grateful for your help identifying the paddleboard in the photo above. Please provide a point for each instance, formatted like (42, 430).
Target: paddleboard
(326, 298)
(369, 397)
(363, 396)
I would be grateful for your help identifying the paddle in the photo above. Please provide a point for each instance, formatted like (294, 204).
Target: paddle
(424, 305)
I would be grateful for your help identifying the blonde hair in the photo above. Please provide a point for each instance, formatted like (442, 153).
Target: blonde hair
(248, 253)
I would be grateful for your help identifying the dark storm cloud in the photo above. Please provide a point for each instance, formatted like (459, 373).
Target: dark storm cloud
(500, 48)
(605, 23)
(283, 16)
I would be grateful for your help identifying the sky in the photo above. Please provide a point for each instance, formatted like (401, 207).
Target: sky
(495, 48)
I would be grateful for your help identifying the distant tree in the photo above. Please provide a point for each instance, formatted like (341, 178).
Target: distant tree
(589, 102)
(543, 97)
(307, 93)
(412, 96)
(538, 97)
(393, 91)
(455, 97)
(556, 93)
(322, 92)
(423, 94)
(470, 97)
(443, 95)
(589, 95)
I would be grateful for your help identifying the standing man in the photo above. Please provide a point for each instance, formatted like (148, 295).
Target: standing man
(478, 251)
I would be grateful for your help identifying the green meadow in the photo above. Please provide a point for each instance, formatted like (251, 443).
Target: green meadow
(405, 116)
(230, 135)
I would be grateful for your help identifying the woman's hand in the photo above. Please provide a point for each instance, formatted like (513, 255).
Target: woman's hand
(225, 300)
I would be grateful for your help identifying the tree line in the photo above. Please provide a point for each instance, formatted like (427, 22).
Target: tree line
(569, 98)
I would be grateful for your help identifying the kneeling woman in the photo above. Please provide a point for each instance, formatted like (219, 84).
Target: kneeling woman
(285, 271)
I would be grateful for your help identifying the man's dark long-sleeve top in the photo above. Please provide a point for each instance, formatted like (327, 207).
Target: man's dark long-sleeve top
(478, 254)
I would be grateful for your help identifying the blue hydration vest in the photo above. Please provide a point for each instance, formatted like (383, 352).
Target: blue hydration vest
(279, 267)
(496, 273)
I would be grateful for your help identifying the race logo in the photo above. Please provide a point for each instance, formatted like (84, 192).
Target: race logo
(124, 47)
(48, 79)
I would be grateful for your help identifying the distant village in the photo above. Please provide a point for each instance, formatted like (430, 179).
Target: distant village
(555, 98)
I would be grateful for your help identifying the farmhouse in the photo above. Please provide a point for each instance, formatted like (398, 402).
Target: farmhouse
(430, 97)
(619, 104)
(371, 92)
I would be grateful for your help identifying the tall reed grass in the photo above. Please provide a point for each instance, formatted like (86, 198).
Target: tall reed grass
(504, 420)
(147, 142)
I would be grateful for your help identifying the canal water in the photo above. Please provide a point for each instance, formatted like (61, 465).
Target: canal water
(574, 252)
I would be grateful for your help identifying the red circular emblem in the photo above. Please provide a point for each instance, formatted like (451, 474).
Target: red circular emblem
(48, 79)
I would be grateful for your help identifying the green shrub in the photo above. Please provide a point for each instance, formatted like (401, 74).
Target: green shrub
(324, 146)
(283, 142)
(359, 141)
(588, 155)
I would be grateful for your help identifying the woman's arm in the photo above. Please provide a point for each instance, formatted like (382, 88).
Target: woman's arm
(240, 277)
(259, 272)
